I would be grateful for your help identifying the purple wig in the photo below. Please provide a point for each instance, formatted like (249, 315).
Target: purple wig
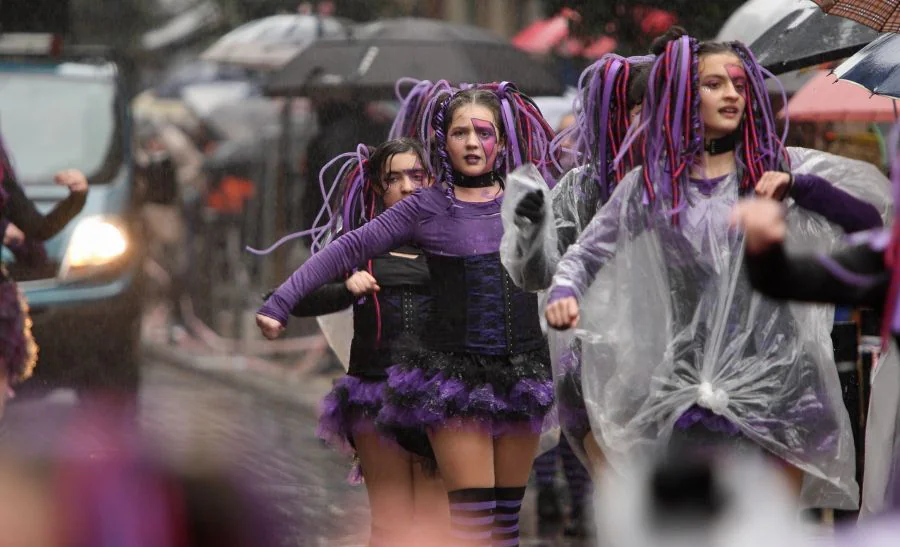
(673, 139)
(602, 119)
(353, 197)
(523, 127)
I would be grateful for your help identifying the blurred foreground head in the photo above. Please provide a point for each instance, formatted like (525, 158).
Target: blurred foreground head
(100, 485)
(731, 502)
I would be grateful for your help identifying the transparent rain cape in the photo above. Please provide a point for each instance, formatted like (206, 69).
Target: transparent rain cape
(528, 250)
(670, 321)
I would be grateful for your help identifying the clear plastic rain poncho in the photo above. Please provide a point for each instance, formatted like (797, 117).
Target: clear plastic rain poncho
(530, 251)
(670, 321)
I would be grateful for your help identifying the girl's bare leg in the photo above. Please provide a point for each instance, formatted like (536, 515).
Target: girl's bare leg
(387, 470)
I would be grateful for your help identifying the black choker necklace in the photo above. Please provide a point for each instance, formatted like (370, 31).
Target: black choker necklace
(485, 180)
(714, 147)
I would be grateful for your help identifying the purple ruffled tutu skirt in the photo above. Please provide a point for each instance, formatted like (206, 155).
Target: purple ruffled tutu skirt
(502, 394)
(350, 408)
(18, 351)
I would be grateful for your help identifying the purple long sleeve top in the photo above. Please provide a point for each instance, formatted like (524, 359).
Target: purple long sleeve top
(431, 219)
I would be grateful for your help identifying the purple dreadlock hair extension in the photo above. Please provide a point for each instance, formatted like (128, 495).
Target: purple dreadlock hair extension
(526, 133)
(327, 219)
(674, 131)
(602, 113)
(417, 106)
(763, 150)
(417, 111)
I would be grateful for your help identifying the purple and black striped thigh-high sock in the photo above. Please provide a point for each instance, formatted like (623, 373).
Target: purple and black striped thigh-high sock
(472, 516)
(506, 516)
(545, 468)
(577, 476)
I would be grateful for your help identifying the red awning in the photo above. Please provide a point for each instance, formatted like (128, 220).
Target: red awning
(542, 36)
(826, 99)
(600, 47)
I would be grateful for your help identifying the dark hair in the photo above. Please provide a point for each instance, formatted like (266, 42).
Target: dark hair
(673, 140)
(658, 46)
(381, 156)
(637, 84)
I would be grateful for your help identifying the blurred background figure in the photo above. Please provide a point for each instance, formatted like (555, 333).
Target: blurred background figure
(89, 478)
(550, 506)
(723, 502)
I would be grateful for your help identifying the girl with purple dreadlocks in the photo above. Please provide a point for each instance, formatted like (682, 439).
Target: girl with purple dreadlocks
(390, 296)
(611, 91)
(679, 354)
(480, 382)
(18, 352)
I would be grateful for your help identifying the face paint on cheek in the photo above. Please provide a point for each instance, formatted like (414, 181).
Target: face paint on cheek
(487, 135)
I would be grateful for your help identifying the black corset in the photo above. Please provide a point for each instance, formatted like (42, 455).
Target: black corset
(396, 314)
(478, 309)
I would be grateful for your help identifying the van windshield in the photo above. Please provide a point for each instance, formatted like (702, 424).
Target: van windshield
(59, 118)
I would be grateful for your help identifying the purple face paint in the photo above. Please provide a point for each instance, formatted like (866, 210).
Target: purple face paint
(487, 135)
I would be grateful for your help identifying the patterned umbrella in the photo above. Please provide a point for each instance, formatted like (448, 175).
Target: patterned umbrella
(807, 37)
(881, 15)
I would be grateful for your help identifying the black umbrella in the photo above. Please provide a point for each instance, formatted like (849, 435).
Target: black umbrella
(876, 67)
(380, 53)
(807, 37)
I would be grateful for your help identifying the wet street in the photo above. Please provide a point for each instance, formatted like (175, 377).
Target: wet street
(274, 441)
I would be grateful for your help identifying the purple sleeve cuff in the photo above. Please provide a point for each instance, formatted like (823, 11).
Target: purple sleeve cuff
(273, 308)
(819, 196)
(558, 293)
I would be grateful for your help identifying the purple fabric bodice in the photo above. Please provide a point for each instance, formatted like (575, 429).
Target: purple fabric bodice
(431, 219)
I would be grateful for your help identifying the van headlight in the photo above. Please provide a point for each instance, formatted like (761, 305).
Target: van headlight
(97, 242)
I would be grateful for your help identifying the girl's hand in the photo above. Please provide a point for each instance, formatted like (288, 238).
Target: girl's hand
(563, 314)
(762, 221)
(269, 327)
(73, 179)
(362, 283)
(773, 185)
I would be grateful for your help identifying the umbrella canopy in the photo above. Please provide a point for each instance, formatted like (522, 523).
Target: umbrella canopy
(380, 53)
(876, 67)
(825, 99)
(882, 15)
(197, 72)
(269, 43)
(807, 37)
(753, 18)
(203, 98)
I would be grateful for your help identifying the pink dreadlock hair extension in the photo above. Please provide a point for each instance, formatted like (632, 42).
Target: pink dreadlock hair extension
(602, 121)
(523, 127)
(673, 142)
